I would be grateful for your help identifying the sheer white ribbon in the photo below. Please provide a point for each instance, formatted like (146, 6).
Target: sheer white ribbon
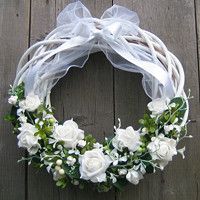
(78, 34)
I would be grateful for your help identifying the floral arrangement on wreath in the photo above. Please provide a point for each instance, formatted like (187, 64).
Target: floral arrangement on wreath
(65, 150)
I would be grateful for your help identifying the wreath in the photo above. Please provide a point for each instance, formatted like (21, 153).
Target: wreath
(66, 151)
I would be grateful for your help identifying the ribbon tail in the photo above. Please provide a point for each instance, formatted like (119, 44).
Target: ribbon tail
(44, 75)
(150, 71)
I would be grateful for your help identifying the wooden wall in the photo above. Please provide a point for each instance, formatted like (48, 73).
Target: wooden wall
(97, 95)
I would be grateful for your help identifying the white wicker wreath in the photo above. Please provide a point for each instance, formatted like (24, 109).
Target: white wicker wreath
(64, 149)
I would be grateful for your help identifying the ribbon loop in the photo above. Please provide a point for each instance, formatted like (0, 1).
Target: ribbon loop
(121, 13)
(72, 13)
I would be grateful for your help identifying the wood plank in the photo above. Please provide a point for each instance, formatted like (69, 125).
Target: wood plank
(14, 23)
(84, 96)
(197, 20)
(40, 183)
(174, 23)
(87, 95)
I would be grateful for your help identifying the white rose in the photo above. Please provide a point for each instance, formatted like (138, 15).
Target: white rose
(93, 165)
(134, 176)
(162, 149)
(13, 100)
(158, 106)
(31, 103)
(126, 138)
(69, 133)
(27, 139)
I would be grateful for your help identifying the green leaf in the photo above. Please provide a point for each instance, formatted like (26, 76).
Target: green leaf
(12, 117)
(120, 184)
(149, 123)
(181, 106)
(90, 140)
(152, 129)
(9, 118)
(73, 174)
(19, 91)
(42, 134)
(61, 183)
(149, 168)
(104, 187)
(146, 156)
(141, 121)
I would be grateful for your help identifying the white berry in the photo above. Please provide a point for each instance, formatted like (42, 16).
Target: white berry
(57, 168)
(61, 172)
(59, 162)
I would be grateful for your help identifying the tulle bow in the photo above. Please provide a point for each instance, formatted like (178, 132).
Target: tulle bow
(84, 34)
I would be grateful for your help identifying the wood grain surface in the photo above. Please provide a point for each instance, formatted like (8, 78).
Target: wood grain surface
(96, 95)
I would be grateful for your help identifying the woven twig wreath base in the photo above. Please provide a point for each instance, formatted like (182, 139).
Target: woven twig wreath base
(65, 150)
